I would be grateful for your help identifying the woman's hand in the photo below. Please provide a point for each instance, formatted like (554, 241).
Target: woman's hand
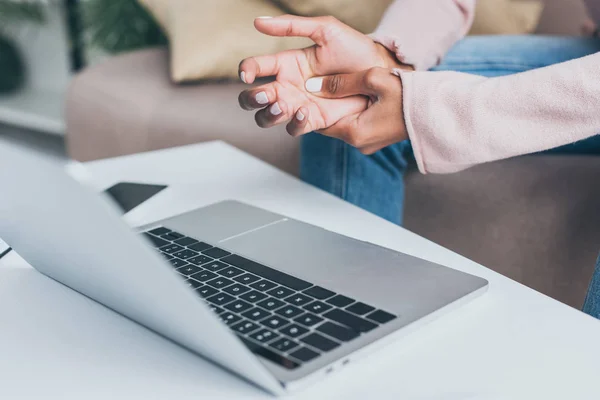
(379, 125)
(338, 49)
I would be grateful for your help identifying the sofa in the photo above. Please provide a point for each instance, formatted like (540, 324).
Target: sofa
(534, 219)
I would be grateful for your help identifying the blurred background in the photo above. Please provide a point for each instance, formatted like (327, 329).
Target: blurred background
(43, 44)
(92, 79)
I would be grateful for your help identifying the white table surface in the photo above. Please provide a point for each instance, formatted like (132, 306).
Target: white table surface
(512, 343)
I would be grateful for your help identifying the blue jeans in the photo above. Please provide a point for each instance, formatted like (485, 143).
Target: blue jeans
(376, 183)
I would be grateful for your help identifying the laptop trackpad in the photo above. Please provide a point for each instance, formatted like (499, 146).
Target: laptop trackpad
(393, 281)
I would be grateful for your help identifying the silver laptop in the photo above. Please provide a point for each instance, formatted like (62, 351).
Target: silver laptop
(276, 301)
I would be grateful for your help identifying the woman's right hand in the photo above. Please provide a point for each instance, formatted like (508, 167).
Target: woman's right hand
(338, 49)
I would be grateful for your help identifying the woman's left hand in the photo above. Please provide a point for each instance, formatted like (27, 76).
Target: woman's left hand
(380, 125)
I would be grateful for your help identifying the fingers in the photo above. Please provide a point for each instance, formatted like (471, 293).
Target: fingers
(275, 114)
(258, 67)
(258, 97)
(299, 124)
(371, 82)
(291, 25)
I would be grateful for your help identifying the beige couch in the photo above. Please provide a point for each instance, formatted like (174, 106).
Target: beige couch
(534, 219)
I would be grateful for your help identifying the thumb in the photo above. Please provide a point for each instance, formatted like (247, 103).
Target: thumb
(365, 83)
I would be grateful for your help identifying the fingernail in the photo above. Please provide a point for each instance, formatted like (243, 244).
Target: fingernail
(314, 85)
(300, 116)
(243, 77)
(264, 17)
(262, 98)
(275, 109)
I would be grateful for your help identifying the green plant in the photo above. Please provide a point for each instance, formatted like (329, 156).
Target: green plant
(12, 12)
(120, 25)
(12, 67)
(12, 15)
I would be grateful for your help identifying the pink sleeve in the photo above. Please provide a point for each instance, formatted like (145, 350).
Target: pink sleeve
(420, 32)
(457, 120)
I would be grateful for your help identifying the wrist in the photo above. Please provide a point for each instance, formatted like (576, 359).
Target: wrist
(389, 60)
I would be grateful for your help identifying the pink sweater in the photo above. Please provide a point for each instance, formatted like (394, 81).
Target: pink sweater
(457, 120)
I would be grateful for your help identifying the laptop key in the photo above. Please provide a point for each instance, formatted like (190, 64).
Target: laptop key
(214, 266)
(186, 241)
(236, 289)
(216, 252)
(238, 306)
(270, 355)
(167, 256)
(231, 272)
(298, 299)
(263, 285)
(381, 316)
(280, 292)
(253, 296)
(216, 310)
(319, 293)
(189, 270)
(194, 284)
(160, 231)
(319, 342)
(338, 332)
(185, 254)
(303, 354)
(202, 275)
(200, 246)
(289, 311)
(274, 322)
(350, 320)
(171, 248)
(284, 345)
(246, 279)
(317, 307)
(360, 308)
(220, 299)
(267, 272)
(340, 301)
(177, 263)
(264, 336)
(198, 260)
(206, 291)
(157, 242)
(229, 318)
(256, 314)
(293, 330)
(308, 319)
(245, 327)
(219, 282)
(271, 304)
(172, 236)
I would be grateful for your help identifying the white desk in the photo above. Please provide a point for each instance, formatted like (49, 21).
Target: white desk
(512, 343)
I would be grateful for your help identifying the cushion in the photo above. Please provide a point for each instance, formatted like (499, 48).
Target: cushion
(363, 15)
(506, 17)
(209, 38)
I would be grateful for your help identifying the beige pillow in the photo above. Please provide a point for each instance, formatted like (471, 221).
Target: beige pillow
(210, 37)
(506, 17)
(362, 15)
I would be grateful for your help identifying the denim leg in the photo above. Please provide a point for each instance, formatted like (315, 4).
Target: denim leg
(592, 300)
(493, 56)
(375, 183)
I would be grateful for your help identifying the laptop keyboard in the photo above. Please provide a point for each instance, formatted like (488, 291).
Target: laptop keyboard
(284, 319)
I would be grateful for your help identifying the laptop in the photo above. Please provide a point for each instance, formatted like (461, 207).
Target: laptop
(276, 301)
